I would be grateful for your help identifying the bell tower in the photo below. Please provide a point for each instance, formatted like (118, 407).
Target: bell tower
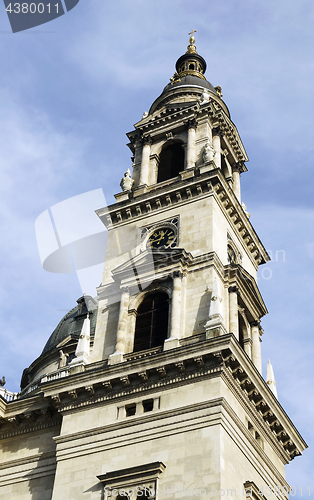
(183, 208)
(161, 392)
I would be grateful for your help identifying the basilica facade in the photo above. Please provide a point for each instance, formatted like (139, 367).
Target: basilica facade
(154, 388)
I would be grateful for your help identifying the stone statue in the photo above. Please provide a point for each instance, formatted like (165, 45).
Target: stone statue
(63, 358)
(205, 96)
(145, 114)
(2, 382)
(208, 153)
(245, 210)
(126, 181)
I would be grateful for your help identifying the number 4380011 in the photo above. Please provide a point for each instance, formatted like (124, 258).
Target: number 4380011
(32, 8)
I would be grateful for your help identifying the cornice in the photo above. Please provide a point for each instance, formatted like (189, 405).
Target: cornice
(235, 387)
(264, 405)
(129, 424)
(247, 289)
(176, 193)
(16, 426)
(39, 458)
(170, 99)
(218, 357)
(260, 457)
(239, 222)
(159, 123)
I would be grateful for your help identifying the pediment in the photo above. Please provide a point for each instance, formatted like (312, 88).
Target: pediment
(150, 264)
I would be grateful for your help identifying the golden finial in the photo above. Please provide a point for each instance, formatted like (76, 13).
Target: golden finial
(191, 47)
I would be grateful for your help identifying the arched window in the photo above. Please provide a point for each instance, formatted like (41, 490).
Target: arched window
(151, 322)
(171, 162)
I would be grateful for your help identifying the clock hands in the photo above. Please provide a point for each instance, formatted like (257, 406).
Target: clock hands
(162, 238)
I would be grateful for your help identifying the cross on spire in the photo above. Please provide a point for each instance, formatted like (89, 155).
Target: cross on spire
(193, 31)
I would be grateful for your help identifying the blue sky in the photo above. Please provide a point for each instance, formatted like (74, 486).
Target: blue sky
(71, 89)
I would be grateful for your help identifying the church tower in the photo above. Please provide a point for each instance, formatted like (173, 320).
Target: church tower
(154, 388)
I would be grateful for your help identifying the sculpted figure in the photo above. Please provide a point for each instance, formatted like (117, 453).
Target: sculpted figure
(245, 210)
(126, 181)
(208, 153)
(205, 96)
(63, 359)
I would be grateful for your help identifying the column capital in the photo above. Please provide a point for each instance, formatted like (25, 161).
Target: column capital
(192, 123)
(248, 341)
(125, 289)
(238, 167)
(217, 131)
(177, 274)
(255, 323)
(233, 289)
(146, 139)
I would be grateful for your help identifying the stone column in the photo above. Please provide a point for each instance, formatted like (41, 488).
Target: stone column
(190, 153)
(248, 347)
(233, 311)
(217, 135)
(147, 142)
(175, 322)
(236, 170)
(117, 356)
(256, 346)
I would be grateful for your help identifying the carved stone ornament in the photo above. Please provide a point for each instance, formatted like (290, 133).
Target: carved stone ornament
(208, 152)
(63, 359)
(127, 181)
(245, 210)
(205, 96)
(219, 91)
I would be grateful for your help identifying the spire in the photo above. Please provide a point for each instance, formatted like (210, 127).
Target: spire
(270, 379)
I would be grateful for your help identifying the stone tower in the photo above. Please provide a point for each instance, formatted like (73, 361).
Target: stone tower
(154, 388)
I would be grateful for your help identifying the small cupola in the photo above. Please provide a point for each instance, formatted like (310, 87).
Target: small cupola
(191, 63)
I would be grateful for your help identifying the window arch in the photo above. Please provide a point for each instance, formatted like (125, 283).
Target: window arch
(151, 326)
(171, 162)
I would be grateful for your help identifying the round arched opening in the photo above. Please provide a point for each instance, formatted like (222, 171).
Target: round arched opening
(171, 162)
(151, 322)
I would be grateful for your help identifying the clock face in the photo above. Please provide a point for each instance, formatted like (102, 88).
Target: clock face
(231, 256)
(162, 238)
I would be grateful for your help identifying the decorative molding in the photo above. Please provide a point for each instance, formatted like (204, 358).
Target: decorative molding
(218, 131)
(128, 476)
(172, 222)
(146, 139)
(18, 430)
(207, 184)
